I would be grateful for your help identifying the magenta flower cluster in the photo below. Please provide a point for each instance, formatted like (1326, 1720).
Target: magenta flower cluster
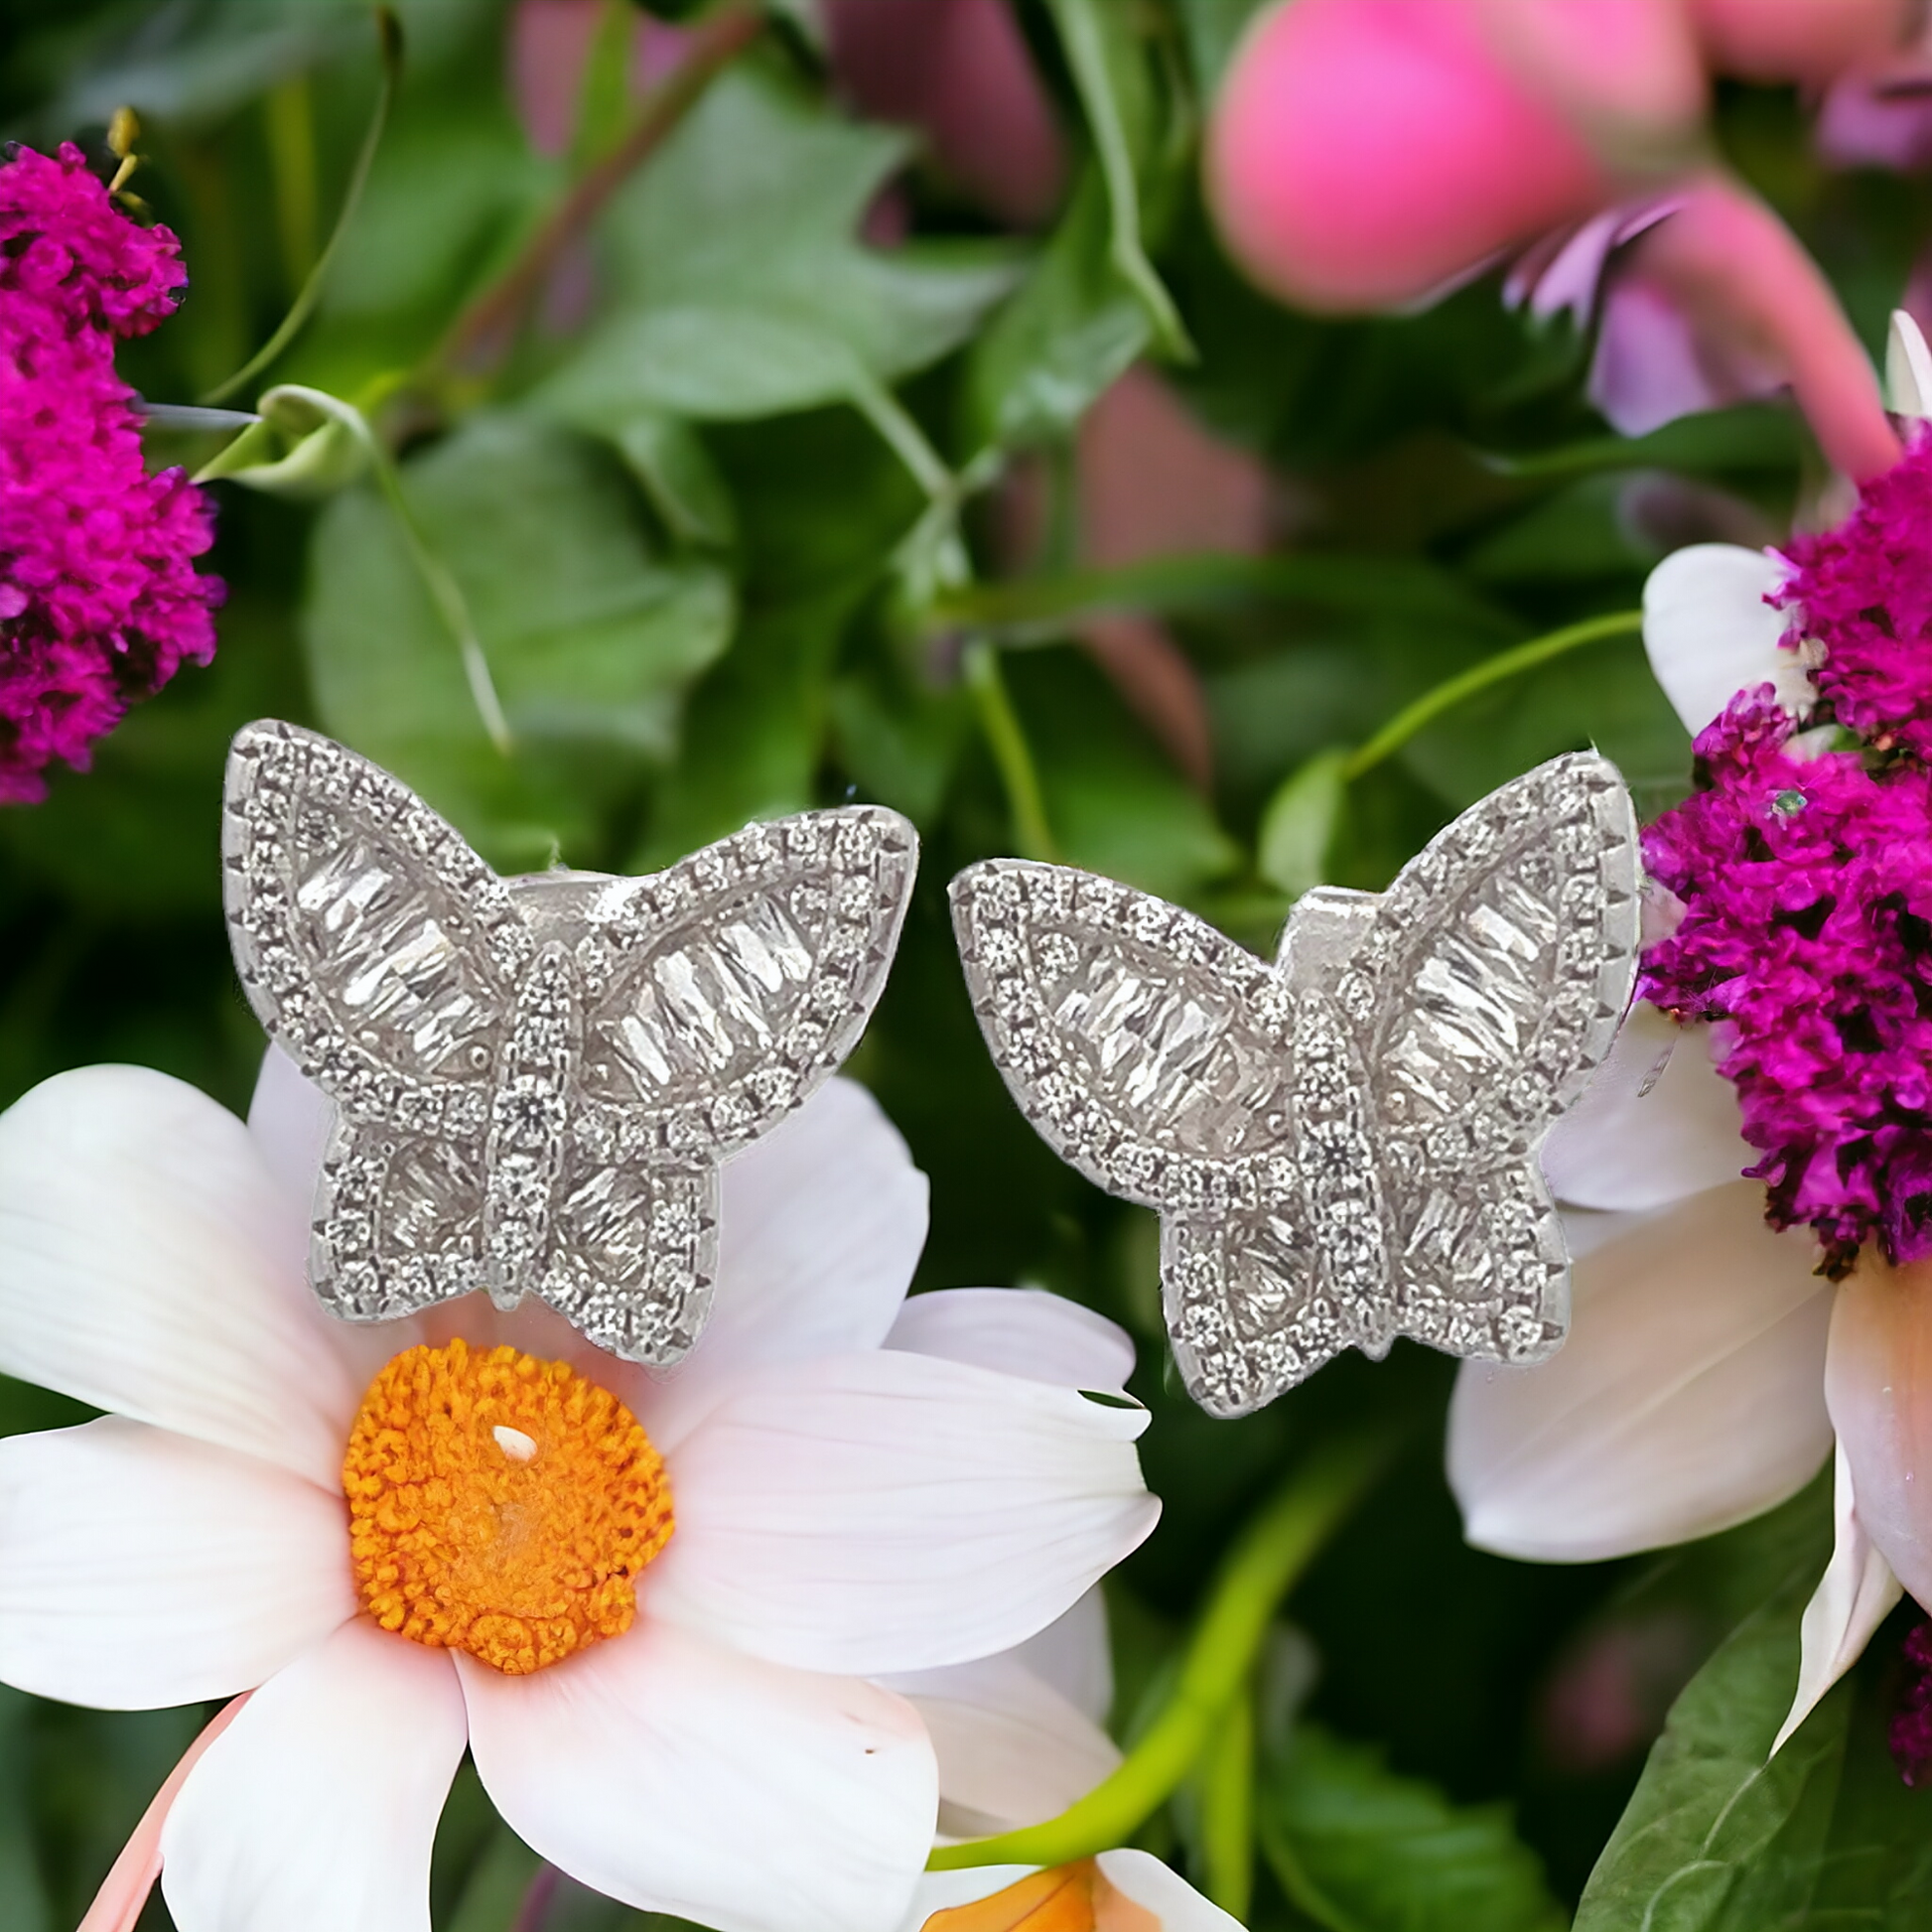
(1806, 937)
(1861, 600)
(99, 599)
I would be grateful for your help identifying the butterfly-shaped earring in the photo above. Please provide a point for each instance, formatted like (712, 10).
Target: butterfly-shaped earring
(535, 1079)
(1343, 1143)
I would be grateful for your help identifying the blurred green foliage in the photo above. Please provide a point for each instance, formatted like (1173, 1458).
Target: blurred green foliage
(728, 518)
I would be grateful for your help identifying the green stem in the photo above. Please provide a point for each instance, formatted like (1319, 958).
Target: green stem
(389, 35)
(1007, 743)
(1227, 1810)
(1480, 677)
(1082, 36)
(1266, 1560)
(447, 595)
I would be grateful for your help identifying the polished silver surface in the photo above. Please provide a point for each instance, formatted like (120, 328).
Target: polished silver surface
(535, 1078)
(1343, 1143)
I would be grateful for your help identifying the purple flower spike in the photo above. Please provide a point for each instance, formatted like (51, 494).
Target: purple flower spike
(1911, 1725)
(1861, 597)
(1807, 939)
(99, 600)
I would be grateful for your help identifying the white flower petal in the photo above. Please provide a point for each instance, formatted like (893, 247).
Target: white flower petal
(151, 1264)
(1012, 1750)
(820, 1227)
(291, 1119)
(941, 1891)
(1622, 1146)
(1018, 1332)
(893, 1512)
(679, 1777)
(1689, 1396)
(140, 1568)
(315, 1809)
(1908, 369)
(1709, 633)
(1880, 1397)
(1853, 1597)
(1075, 1655)
(1140, 1876)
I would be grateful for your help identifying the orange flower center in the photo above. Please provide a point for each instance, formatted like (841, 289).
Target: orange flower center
(500, 1505)
(1062, 1898)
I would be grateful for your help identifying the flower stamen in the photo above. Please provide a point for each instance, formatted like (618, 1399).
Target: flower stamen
(500, 1505)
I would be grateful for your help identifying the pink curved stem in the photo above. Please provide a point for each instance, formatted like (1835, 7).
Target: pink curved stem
(118, 1904)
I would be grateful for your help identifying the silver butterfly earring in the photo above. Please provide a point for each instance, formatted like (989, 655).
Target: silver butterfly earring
(1343, 1143)
(535, 1079)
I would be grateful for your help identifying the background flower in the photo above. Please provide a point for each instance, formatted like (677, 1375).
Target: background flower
(99, 600)
(852, 1499)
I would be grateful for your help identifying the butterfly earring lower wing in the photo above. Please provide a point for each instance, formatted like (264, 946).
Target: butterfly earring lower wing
(1489, 986)
(380, 951)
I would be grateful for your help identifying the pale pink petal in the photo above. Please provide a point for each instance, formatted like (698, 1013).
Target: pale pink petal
(1625, 72)
(1012, 1749)
(1687, 1397)
(1074, 1654)
(316, 1810)
(960, 71)
(893, 1512)
(1020, 1332)
(1563, 272)
(820, 1228)
(1908, 368)
(1758, 310)
(151, 1264)
(1806, 41)
(1657, 1122)
(1853, 1597)
(549, 44)
(1363, 152)
(1878, 1382)
(1709, 633)
(124, 1892)
(677, 1776)
(1140, 1876)
(291, 1119)
(140, 1568)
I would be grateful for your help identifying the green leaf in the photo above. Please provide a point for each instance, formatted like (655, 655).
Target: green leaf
(756, 730)
(1716, 1839)
(900, 743)
(739, 287)
(1359, 1849)
(1110, 70)
(1113, 801)
(1070, 332)
(1213, 28)
(590, 639)
(670, 460)
(1299, 823)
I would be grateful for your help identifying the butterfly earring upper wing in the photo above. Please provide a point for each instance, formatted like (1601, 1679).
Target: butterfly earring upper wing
(718, 996)
(1490, 985)
(381, 953)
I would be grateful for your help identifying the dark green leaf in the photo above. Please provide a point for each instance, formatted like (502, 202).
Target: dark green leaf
(1716, 1837)
(1359, 1849)
(1299, 823)
(1068, 332)
(590, 639)
(740, 288)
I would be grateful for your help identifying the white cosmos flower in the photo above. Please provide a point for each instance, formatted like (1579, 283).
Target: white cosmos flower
(1118, 1891)
(1708, 1369)
(861, 1488)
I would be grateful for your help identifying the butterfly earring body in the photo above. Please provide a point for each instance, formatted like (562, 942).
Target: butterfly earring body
(1341, 1144)
(535, 1079)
